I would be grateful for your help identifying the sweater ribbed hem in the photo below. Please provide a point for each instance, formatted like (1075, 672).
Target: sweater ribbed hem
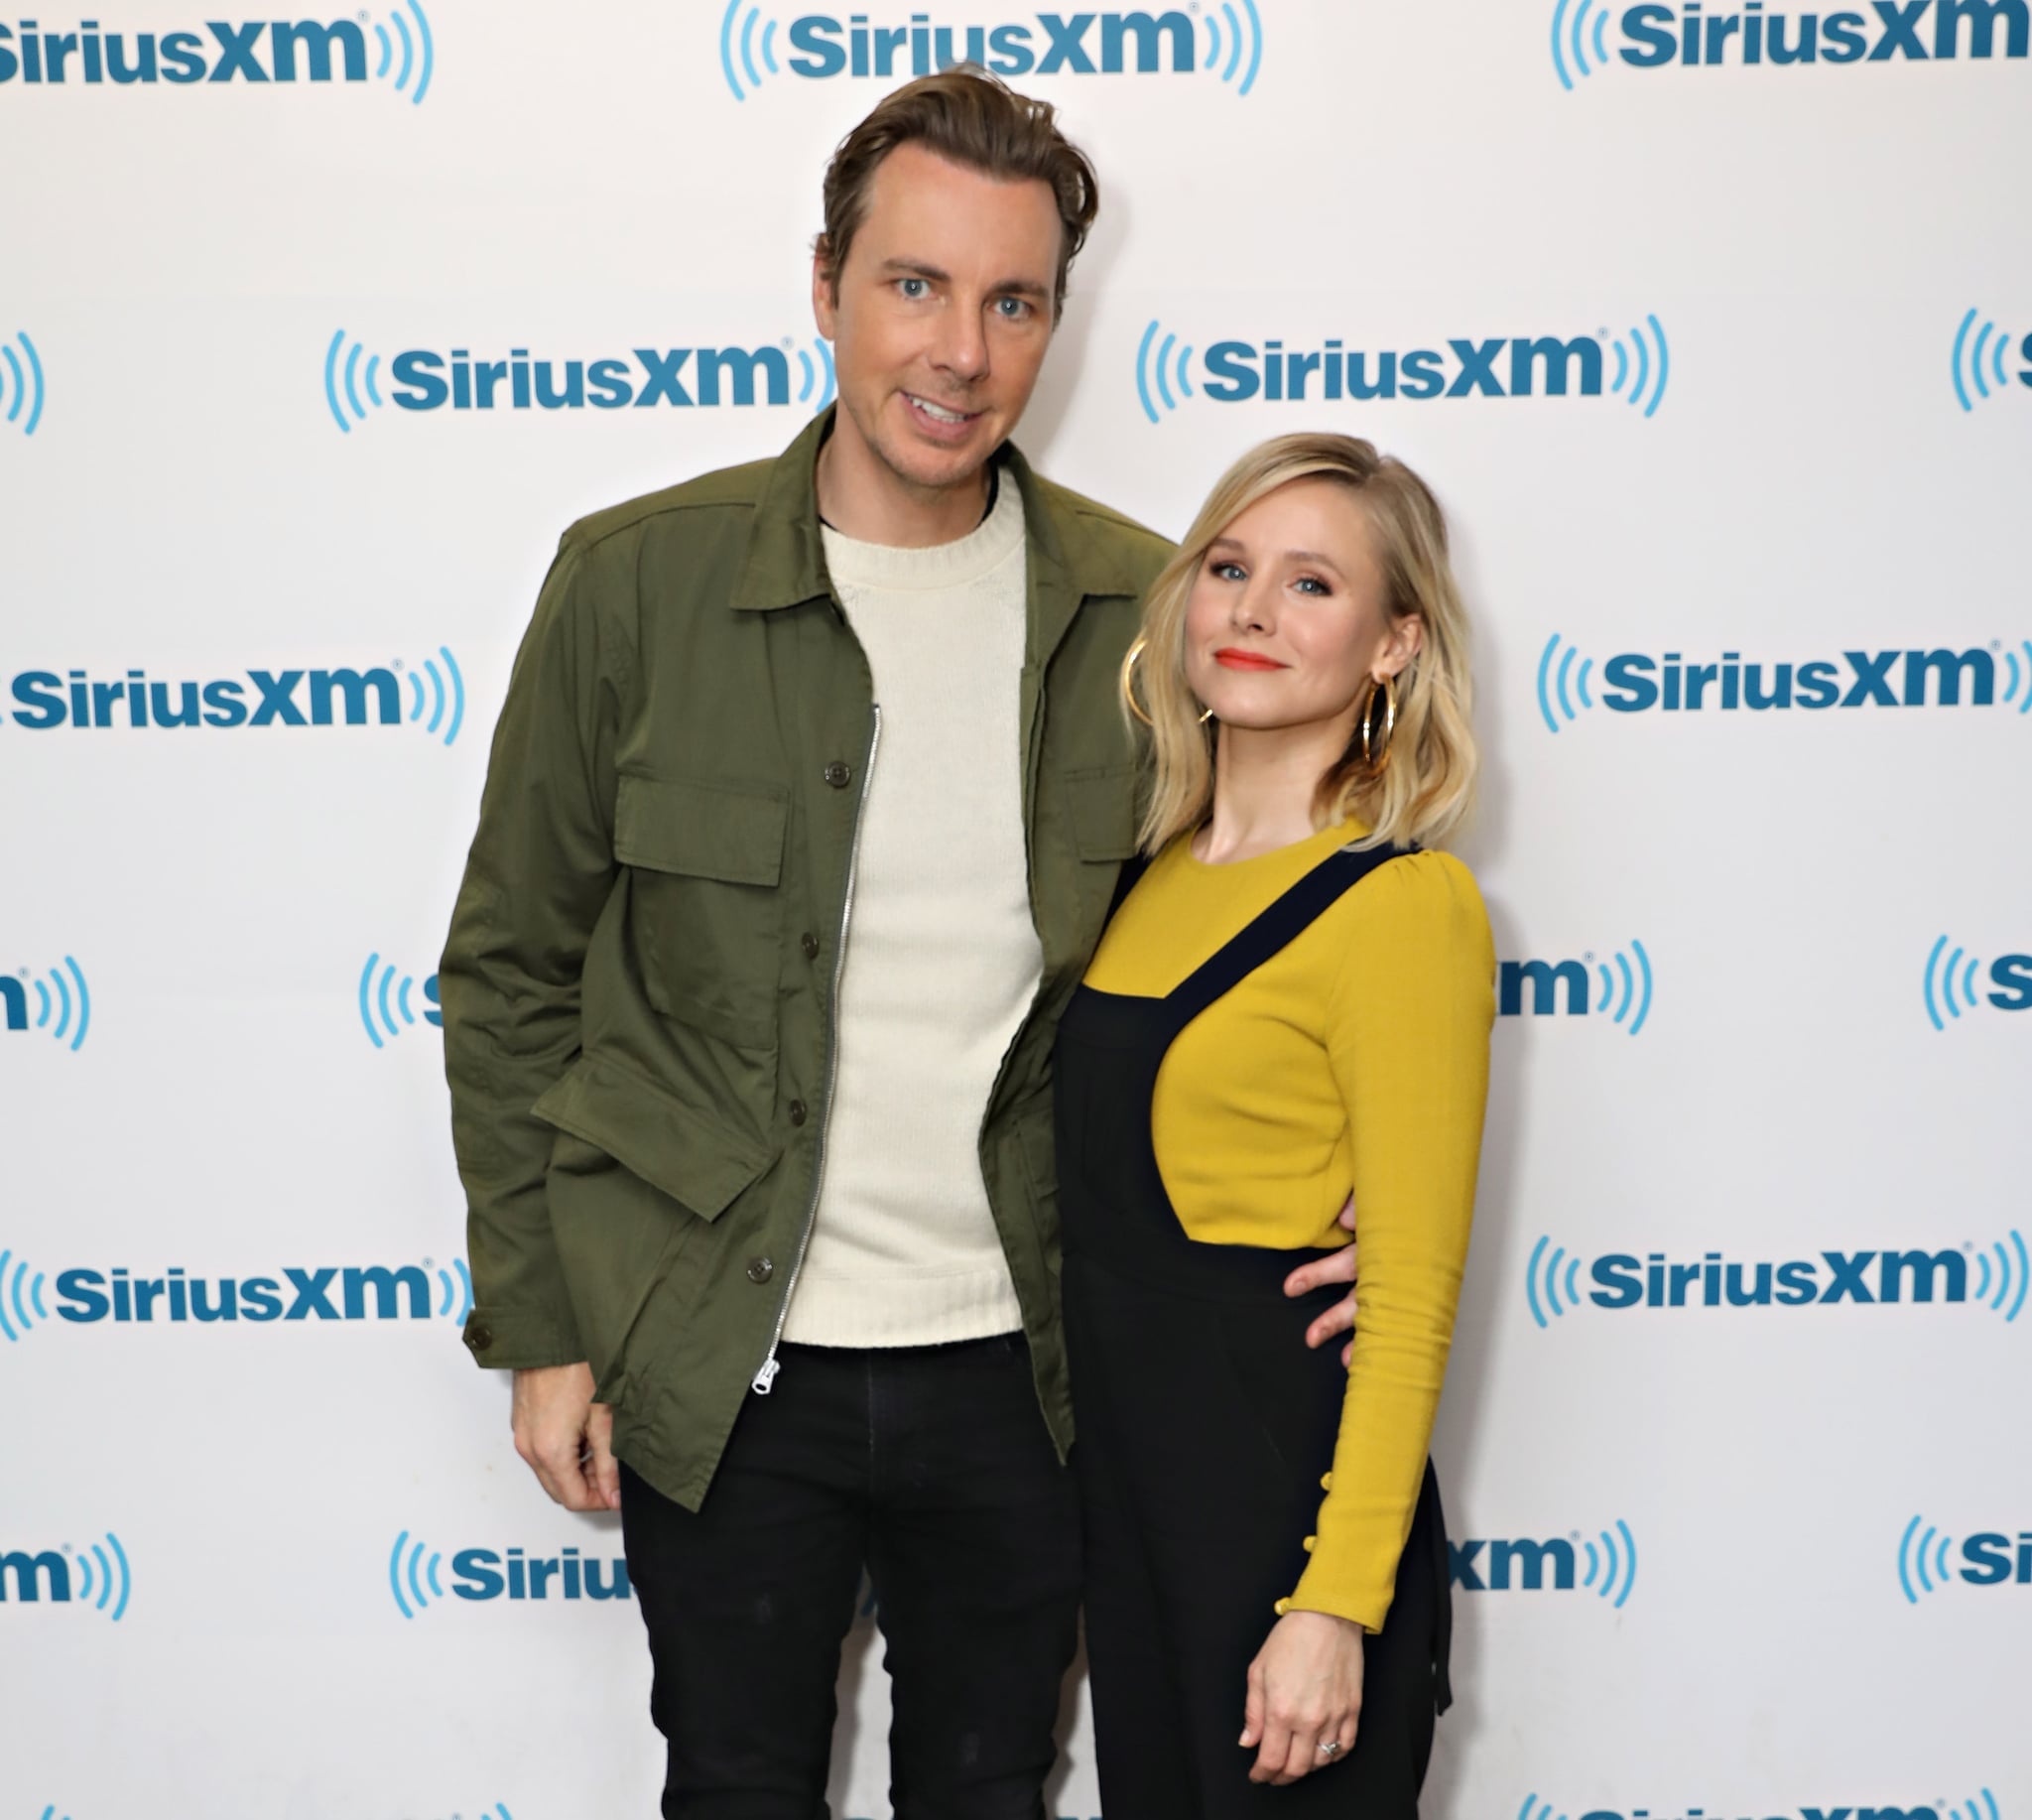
(902, 1310)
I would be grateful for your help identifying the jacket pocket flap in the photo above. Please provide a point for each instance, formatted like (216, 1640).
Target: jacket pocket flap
(692, 1156)
(1103, 812)
(708, 831)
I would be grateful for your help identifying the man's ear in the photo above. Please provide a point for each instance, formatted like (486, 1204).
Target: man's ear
(824, 289)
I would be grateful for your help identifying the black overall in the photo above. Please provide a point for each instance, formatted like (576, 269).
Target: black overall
(1204, 1424)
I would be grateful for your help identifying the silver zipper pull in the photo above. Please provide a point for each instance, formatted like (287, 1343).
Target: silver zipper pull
(766, 1377)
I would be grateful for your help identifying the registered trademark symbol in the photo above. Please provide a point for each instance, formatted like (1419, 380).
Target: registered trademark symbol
(1589, 954)
(787, 341)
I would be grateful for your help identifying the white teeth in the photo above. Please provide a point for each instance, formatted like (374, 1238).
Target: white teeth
(937, 413)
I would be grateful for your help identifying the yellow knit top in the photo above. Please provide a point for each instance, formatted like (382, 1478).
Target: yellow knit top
(1355, 1059)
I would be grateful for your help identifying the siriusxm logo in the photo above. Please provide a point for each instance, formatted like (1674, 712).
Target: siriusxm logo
(256, 50)
(1552, 1279)
(1626, 989)
(1633, 683)
(96, 1576)
(63, 1002)
(21, 384)
(1893, 31)
(374, 1292)
(420, 379)
(1982, 1807)
(1978, 364)
(415, 1575)
(1507, 366)
(1522, 1565)
(1951, 982)
(381, 998)
(1987, 1559)
(820, 46)
(261, 698)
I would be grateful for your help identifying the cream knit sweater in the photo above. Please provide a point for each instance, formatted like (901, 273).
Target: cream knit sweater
(942, 957)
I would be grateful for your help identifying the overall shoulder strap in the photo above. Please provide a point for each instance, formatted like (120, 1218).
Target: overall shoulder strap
(1277, 926)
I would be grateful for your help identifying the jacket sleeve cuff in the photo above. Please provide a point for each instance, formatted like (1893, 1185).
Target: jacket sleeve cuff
(521, 1338)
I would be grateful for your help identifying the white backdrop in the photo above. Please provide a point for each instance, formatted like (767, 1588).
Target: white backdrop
(1777, 1546)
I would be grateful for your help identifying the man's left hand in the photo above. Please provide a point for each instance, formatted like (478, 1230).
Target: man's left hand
(1339, 1268)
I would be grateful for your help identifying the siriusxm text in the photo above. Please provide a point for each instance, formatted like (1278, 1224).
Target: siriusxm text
(425, 380)
(320, 1293)
(485, 1573)
(255, 51)
(1508, 1562)
(1506, 366)
(1051, 44)
(1914, 31)
(259, 698)
(1624, 1280)
(1990, 1559)
(1633, 682)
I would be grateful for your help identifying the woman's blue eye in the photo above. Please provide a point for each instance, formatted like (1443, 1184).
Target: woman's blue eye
(1313, 584)
(1227, 572)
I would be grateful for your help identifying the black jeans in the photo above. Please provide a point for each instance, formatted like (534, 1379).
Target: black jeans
(930, 1466)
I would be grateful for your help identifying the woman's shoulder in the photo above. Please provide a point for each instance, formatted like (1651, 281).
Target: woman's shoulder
(1425, 902)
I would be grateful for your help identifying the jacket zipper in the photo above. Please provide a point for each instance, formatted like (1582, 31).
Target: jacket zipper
(765, 1378)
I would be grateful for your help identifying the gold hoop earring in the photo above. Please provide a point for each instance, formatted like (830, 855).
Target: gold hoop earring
(1129, 688)
(1375, 748)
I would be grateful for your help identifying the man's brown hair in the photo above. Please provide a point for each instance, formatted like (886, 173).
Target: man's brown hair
(969, 116)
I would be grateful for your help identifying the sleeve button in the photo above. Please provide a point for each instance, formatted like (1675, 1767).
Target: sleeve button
(1281, 1607)
(760, 1269)
(1325, 1481)
(478, 1335)
(1310, 1542)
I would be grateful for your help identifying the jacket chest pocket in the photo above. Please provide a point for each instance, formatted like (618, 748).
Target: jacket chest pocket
(705, 906)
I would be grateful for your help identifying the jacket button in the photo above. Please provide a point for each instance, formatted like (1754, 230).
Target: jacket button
(760, 1269)
(810, 943)
(478, 1335)
(838, 774)
(797, 1111)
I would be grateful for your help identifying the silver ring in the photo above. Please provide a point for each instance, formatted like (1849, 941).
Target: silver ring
(1330, 1750)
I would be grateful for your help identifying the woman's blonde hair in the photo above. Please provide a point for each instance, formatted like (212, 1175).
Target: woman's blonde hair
(1426, 786)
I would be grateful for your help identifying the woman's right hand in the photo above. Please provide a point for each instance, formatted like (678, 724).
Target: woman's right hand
(1304, 1692)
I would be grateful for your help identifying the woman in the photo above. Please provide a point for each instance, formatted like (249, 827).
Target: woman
(1293, 1002)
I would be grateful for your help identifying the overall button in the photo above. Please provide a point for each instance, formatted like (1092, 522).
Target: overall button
(760, 1269)
(838, 774)
(797, 1111)
(810, 943)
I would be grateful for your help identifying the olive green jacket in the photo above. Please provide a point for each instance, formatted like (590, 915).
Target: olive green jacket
(642, 975)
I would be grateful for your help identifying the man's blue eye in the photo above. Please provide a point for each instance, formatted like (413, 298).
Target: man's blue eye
(913, 287)
(1012, 307)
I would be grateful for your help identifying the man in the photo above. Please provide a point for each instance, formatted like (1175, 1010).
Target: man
(805, 812)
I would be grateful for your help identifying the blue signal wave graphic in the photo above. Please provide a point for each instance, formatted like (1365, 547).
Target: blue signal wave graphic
(384, 999)
(1546, 1275)
(445, 699)
(344, 384)
(419, 55)
(1978, 364)
(1922, 1559)
(1242, 37)
(818, 375)
(1162, 365)
(111, 1585)
(1950, 983)
(20, 1298)
(2010, 1279)
(456, 1284)
(1634, 984)
(63, 1002)
(21, 388)
(1617, 1567)
(2018, 678)
(1534, 1809)
(1560, 684)
(739, 46)
(415, 1574)
(1653, 370)
(1570, 36)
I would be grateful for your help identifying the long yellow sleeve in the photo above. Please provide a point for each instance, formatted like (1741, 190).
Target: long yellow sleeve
(1408, 1040)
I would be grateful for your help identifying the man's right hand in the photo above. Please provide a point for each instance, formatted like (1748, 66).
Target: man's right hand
(566, 1437)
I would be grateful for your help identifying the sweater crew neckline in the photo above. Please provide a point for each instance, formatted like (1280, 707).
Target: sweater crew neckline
(854, 564)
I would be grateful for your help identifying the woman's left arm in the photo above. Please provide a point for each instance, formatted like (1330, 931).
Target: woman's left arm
(1408, 1034)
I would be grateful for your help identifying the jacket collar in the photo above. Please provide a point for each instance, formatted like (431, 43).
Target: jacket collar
(785, 562)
